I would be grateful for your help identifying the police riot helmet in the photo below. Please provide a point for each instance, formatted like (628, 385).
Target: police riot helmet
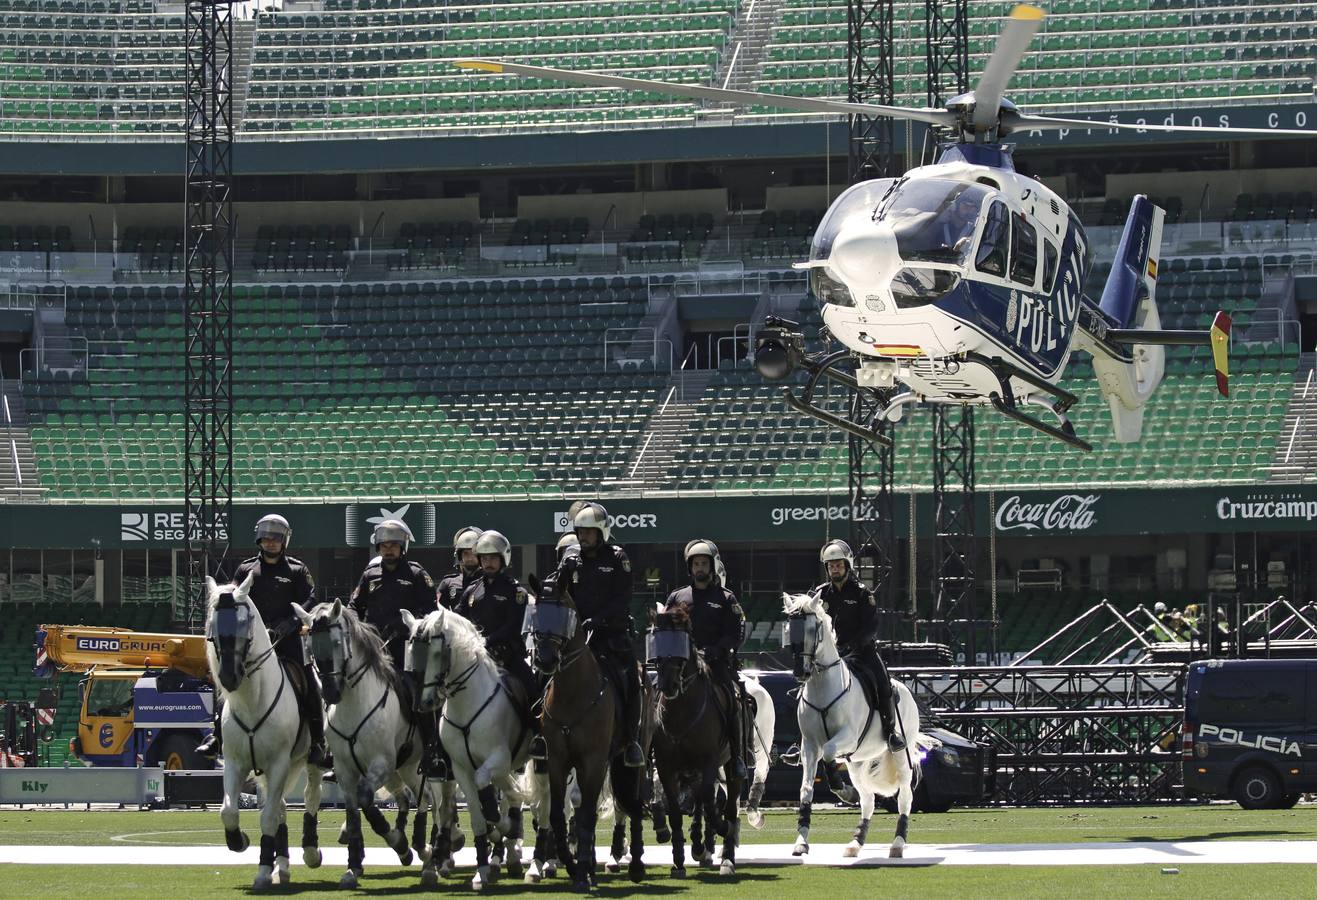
(592, 515)
(1159, 608)
(837, 549)
(493, 542)
(276, 526)
(392, 530)
(465, 539)
(566, 542)
(706, 547)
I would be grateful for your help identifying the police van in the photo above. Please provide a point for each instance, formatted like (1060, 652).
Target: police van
(1250, 730)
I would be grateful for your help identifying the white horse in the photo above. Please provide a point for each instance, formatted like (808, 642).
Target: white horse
(761, 745)
(373, 743)
(837, 722)
(482, 728)
(262, 730)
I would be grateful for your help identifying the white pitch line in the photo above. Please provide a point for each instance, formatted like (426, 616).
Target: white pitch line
(1100, 854)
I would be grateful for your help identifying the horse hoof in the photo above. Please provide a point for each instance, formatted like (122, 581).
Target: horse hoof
(495, 872)
(429, 878)
(348, 880)
(405, 857)
(677, 872)
(801, 848)
(550, 870)
(582, 886)
(280, 876)
(612, 867)
(459, 841)
(663, 835)
(636, 871)
(446, 868)
(727, 868)
(532, 877)
(897, 851)
(263, 882)
(706, 861)
(312, 857)
(514, 866)
(755, 818)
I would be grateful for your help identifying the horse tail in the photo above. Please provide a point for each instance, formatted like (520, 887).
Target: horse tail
(627, 791)
(534, 790)
(606, 807)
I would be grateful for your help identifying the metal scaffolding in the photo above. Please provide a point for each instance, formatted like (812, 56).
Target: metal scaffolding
(208, 296)
(870, 79)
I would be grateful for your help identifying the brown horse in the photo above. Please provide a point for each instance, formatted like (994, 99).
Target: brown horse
(582, 731)
(691, 739)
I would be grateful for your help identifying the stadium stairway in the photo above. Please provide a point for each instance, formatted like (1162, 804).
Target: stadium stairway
(1296, 450)
(668, 431)
(244, 52)
(753, 34)
(13, 419)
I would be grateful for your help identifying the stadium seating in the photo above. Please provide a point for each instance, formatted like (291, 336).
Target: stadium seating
(367, 69)
(1092, 53)
(450, 384)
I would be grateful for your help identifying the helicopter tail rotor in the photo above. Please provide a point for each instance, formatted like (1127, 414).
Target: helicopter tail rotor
(1220, 332)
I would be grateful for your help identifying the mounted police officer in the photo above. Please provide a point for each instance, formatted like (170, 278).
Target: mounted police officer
(854, 613)
(279, 581)
(717, 628)
(496, 603)
(466, 568)
(390, 584)
(601, 587)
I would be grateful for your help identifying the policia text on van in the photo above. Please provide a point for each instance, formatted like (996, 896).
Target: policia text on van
(1250, 730)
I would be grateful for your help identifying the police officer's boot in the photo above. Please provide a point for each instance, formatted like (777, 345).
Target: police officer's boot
(434, 761)
(539, 751)
(633, 757)
(736, 733)
(318, 755)
(213, 746)
(886, 710)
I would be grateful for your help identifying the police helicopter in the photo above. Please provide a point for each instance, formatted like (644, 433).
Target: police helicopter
(962, 282)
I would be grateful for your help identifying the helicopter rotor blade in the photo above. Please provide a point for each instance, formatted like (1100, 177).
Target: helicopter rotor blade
(1017, 31)
(1019, 122)
(703, 92)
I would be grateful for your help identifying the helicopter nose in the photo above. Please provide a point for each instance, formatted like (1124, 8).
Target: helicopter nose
(863, 252)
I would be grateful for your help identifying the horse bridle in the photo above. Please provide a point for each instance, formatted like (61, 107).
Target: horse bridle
(326, 630)
(848, 682)
(227, 601)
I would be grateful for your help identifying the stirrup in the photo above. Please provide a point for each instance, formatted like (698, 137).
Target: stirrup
(539, 749)
(329, 777)
(210, 747)
(895, 743)
(435, 767)
(320, 757)
(632, 757)
(739, 769)
(790, 756)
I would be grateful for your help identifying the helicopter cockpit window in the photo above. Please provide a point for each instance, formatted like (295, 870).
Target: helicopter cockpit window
(1050, 257)
(1024, 251)
(934, 219)
(919, 286)
(991, 255)
(858, 200)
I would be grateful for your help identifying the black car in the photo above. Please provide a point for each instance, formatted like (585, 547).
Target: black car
(1250, 730)
(960, 771)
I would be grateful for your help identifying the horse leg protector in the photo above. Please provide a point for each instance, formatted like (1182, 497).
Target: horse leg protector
(902, 826)
(756, 795)
(419, 827)
(236, 840)
(515, 830)
(281, 840)
(268, 847)
(861, 832)
(375, 817)
(310, 830)
(489, 806)
(619, 836)
(482, 850)
(803, 814)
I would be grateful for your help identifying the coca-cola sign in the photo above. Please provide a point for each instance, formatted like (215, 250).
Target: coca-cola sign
(1066, 512)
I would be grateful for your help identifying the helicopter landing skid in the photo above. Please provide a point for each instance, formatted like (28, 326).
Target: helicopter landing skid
(1006, 404)
(805, 402)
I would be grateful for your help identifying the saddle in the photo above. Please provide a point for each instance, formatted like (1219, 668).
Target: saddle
(865, 677)
(296, 675)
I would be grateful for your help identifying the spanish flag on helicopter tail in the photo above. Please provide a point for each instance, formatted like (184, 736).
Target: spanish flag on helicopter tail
(1221, 351)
